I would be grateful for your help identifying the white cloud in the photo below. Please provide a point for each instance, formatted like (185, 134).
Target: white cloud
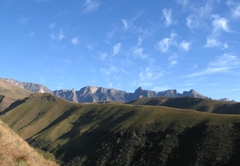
(185, 45)
(221, 64)
(220, 24)
(110, 70)
(199, 16)
(23, 20)
(139, 41)
(124, 21)
(192, 21)
(167, 14)
(212, 42)
(74, 41)
(173, 60)
(165, 43)
(235, 8)
(149, 74)
(116, 48)
(91, 6)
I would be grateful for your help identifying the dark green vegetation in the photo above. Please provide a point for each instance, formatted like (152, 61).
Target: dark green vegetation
(128, 134)
(198, 104)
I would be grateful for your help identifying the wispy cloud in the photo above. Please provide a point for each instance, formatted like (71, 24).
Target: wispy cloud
(91, 6)
(52, 25)
(103, 56)
(23, 20)
(167, 14)
(140, 40)
(184, 3)
(220, 24)
(138, 53)
(125, 23)
(116, 48)
(110, 70)
(150, 74)
(221, 64)
(75, 40)
(165, 43)
(185, 46)
(59, 36)
(212, 42)
(129, 24)
(199, 16)
(236, 12)
(235, 8)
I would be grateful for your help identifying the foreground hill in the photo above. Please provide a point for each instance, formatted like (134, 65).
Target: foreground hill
(125, 134)
(11, 91)
(14, 151)
(199, 104)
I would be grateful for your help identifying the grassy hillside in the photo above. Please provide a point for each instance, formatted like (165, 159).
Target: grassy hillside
(5, 102)
(14, 151)
(11, 91)
(125, 134)
(204, 105)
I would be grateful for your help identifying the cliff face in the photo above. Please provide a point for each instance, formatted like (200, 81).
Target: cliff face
(98, 94)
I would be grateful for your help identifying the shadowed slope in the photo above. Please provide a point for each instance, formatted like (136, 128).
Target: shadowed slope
(204, 105)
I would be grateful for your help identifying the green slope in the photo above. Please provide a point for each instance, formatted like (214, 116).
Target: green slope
(11, 91)
(125, 134)
(204, 105)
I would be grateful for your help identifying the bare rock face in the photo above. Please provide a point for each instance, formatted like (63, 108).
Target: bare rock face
(139, 93)
(32, 87)
(168, 93)
(193, 93)
(69, 95)
(96, 94)
(100, 94)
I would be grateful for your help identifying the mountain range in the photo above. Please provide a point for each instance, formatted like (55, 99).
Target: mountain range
(167, 131)
(100, 94)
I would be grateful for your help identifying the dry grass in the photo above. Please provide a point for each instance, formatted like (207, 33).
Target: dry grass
(14, 151)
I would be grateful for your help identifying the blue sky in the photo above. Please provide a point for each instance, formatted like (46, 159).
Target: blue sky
(155, 44)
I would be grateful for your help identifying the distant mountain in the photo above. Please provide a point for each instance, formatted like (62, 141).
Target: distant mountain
(92, 94)
(227, 99)
(173, 93)
(32, 87)
(97, 94)
(100, 94)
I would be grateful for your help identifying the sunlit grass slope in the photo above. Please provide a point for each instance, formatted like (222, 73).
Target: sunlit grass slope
(204, 105)
(11, 91)
(124, 134)
(14, 151)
